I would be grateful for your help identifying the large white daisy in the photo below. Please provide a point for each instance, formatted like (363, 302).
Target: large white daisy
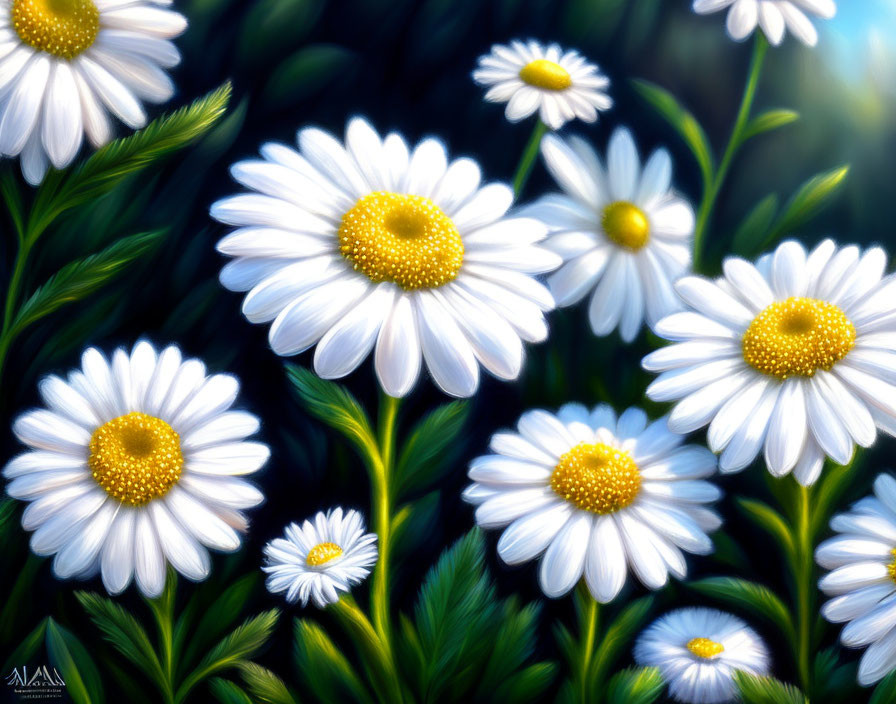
(320, 558)
(596, 495)
(698, 650)
(774, 17)
(374, 245)
(136, 463)
(863, 579)
(558, 85)
(622, 232)
(793, 355)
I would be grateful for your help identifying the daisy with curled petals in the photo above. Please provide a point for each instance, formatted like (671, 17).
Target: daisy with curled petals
(792, 356)
(624, 235)
(320, 558)
(698, 650)
(559, 85)
(862, 581)
(373, 245)
(136, 462)
(774, 17)
(595, 495)
(66, 64)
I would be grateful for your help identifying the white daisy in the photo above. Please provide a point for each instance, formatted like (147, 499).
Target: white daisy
(559, 85)
(622, 232)
(774, 17)
(794, 354)
(698, 650)
(136, 463)
(321, 558)
(595, 494)
(66, 64)
(863, 579)
(374, 245)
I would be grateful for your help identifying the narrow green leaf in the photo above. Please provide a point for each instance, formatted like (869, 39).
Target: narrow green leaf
(226, 692)
(618, 635)
(750, 236)
(528, 685)
(635, 685)
(813, 196)
(769, 520)
(768, 121)
(305, 73)
(431, 447)
(82, 679)
(7, 512)
(27, 648)
(325, 670)
(885, 692)
(767, 690)
(265, 686)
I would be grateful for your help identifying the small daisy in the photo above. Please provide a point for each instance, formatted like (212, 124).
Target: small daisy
(863, 579)
(135, 463)
(596, 495)
(321, 558)
(374, 245)
(698, 650)
(66, 64)
(793, 354)
(529, 77)
(622, 232)
(774, 17)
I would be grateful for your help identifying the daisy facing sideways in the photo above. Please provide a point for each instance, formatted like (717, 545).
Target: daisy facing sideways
(372, 245)
(623, 233)
(792, 357)
(595, 495)
(530, 77)
(320, 558)
(698, 650)
(774, 17)
(66, 65)
(136, 463)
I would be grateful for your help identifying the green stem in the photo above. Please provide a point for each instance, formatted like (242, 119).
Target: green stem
(590, 636)
(711, 189)
(163, 611)
(527, 161)
(804, 583)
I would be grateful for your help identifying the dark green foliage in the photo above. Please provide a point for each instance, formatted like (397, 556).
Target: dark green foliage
(636, 685)
(767, 690)
(431, 447)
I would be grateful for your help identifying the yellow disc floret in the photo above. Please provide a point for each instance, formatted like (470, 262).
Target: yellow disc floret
(322, 553)
(545, 74)
(63, 28)
(797, 337)
(891, 568)
(705, 648)
(136, 458)
(626, 224)
(597, 478)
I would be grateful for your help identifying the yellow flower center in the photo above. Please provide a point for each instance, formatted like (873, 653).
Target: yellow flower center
(891, 568)
(322, 553)
(705, 648)
(597, 477)
(797, 337)
(136, 458)
(401, 238)
(626, 224)
(545, 74)
(63, 28)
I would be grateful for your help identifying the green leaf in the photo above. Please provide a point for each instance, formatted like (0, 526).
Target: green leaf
(768, 121)
(619, 634)
(836, 681)
(885, 692)
(767, 690)
(812, 197)
(226, 692)
(431, 447)
(528, 685)
(769, 520)
(750, 236)
(635, 685)
(326, 670)
(412, 524)
(7, 513)
(265, 686)
(305, 73)
(82, 679)
(27, 648)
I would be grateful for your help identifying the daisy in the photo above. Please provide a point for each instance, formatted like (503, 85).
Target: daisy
(698, 650)
(530, 77)
(793, 354)
(596, 495)
(374, 245)
(136, 462)
(863, 579)
(66, 64)
(774, 17)
(321, 558)
(624, 235)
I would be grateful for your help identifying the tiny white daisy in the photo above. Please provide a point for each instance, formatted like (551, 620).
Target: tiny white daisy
(863, 579)
(136, 462)
(374, 245)
(596, 495)
(698, 650)
(319, 559)
(622, 232)
(774, 17)
(793, 354)
(66, 64)
(529, 77)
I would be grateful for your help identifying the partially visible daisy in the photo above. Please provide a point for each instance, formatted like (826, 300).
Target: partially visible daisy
(66, 64)
(136, 463)
(596, 495)
(624, 234)
(377, 246)
(863, 579)
(319, 559)
(529, 77)
(792, 355)
(698, 650)
(774, 17)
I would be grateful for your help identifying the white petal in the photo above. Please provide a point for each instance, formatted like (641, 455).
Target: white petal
(398, 353)
(564, 561)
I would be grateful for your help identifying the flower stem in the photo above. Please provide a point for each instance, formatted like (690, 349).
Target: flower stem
(527, 161)
(589, 636)
(804, 584)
